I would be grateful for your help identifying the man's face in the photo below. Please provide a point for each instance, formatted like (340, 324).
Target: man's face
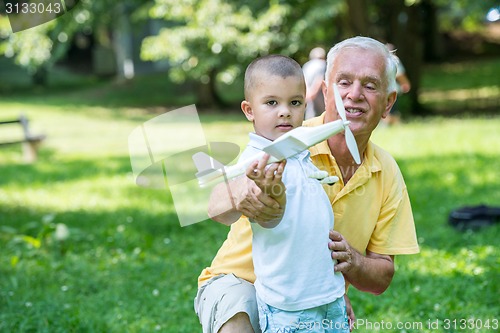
(276, 105)
(359, 75)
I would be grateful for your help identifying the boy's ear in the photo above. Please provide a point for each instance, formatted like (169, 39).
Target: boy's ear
(246, 107)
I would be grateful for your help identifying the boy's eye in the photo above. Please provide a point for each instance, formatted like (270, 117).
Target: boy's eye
(272, 103)
(296, 103)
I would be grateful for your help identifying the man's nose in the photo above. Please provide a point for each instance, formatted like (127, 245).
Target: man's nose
(355, 91)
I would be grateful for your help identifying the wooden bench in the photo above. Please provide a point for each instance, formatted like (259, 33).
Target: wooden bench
(29, 141)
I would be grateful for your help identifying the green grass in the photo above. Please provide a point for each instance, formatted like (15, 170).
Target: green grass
(447, 163)
(127, 265)
(78, 92)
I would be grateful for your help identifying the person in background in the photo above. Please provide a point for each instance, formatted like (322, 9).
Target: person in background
(403, 87)
(314, 73)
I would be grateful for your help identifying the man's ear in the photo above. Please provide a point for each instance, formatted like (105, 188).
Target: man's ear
(391, 99)
(246, 107)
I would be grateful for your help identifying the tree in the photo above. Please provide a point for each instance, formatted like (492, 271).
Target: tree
(37, 49)
(416, 27)
(213, 40)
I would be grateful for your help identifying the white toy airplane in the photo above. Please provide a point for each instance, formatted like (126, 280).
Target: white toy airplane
(210, 171)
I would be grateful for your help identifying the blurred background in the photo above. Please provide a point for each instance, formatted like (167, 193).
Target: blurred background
(83, 249)
(207, 44)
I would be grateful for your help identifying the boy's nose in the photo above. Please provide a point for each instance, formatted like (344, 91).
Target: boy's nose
(285, 112)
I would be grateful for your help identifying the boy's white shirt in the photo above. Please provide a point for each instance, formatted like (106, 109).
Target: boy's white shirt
(292, 261)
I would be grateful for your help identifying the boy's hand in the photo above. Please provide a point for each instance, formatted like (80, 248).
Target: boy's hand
(269, 179)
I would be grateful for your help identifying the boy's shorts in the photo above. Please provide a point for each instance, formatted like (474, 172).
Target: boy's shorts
(222, 297)
(328, 318)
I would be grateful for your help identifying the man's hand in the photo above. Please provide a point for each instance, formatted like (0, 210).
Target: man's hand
(241, 195)
(341, 251)
(255, 204)
(372, 272)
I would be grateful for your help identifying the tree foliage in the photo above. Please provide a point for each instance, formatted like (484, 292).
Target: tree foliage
(211, 41)
(462, 14)
(207, 36)
(40, 47)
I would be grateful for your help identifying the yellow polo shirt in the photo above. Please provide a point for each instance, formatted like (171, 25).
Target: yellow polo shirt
(372, 212)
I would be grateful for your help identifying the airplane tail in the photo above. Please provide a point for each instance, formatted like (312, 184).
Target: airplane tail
(209, 168)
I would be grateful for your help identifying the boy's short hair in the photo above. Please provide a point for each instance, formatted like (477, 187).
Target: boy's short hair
(274, 64)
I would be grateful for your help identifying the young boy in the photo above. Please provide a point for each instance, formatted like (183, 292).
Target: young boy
(297, 289)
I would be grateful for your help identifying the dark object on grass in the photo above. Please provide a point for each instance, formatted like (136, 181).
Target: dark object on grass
(474, 217)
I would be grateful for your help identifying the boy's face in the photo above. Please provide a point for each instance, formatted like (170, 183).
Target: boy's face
(275, 104)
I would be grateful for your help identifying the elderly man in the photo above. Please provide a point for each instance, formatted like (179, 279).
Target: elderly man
(373, 217)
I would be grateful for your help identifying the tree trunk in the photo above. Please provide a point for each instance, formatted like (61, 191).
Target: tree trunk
(204, 97)
(396, 18)
(433, 46)
(207, 95)
(357, 18)
(123, 43)
(403, 28)
(40, 77)
(412, 56)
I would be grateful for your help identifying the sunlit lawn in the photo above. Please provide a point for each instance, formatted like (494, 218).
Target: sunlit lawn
(127, 265)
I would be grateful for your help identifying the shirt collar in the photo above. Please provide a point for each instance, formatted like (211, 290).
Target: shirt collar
(259, 142)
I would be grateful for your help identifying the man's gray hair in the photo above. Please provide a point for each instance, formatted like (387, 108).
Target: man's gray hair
(366, 43)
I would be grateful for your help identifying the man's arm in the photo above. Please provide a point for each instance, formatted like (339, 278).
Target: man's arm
(314, 89)
(231, 199)
(404, 83)
(371, 273)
